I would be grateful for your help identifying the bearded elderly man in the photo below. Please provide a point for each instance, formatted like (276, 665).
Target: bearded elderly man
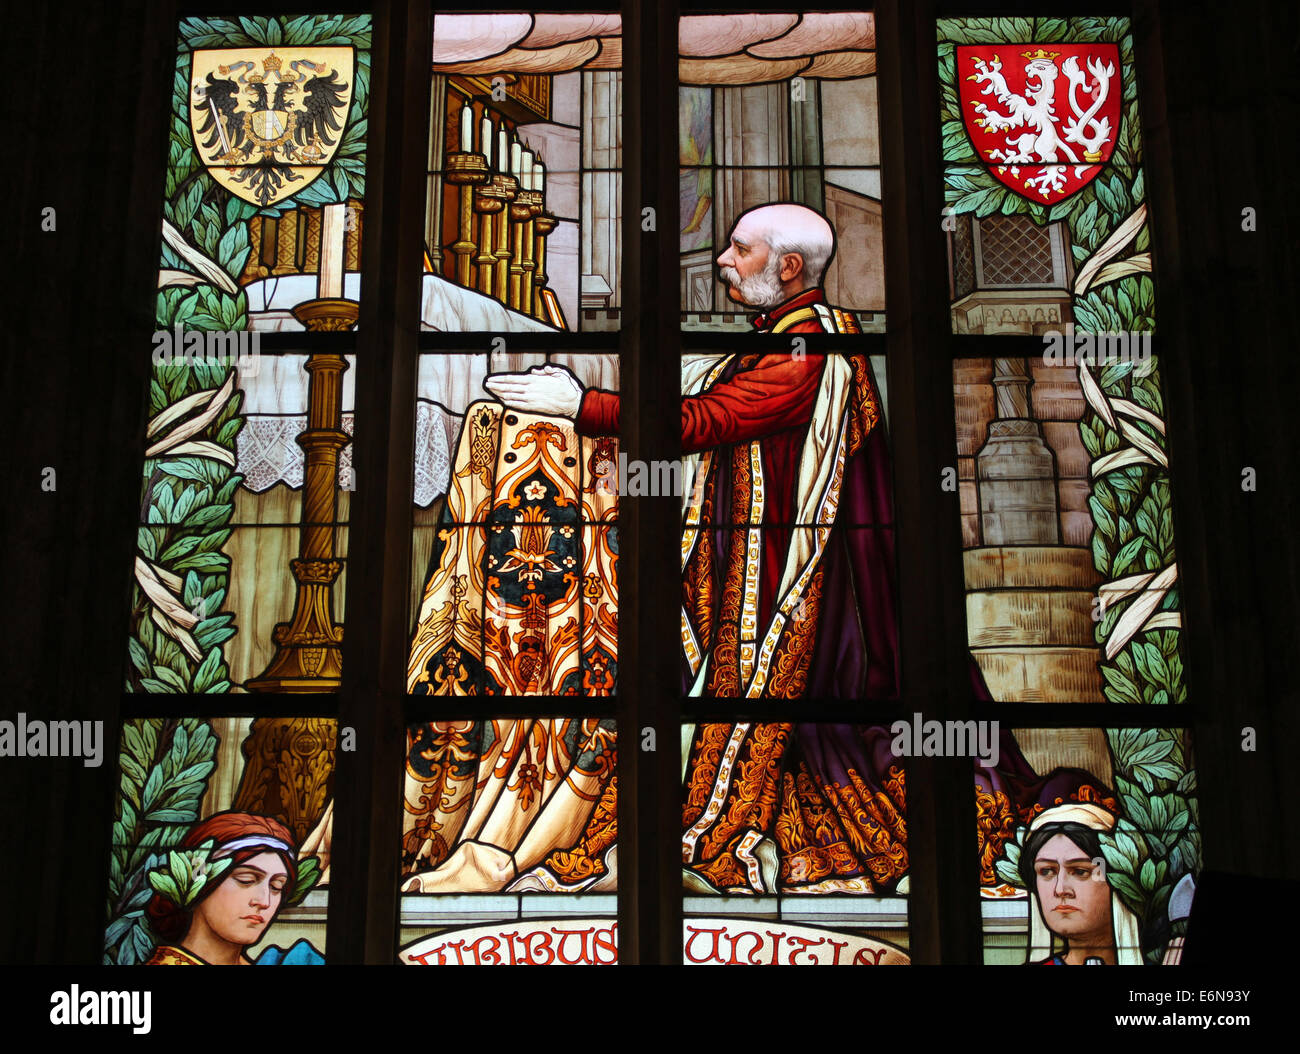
(787, 581)
(790, 441)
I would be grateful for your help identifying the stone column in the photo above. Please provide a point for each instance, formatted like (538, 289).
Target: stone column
(1015, 468)
(1029, 598)
(437, 132)
(602, 215)
(806, 147)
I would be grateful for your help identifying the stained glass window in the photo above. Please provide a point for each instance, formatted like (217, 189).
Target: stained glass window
(221, 841)
(516, 537)
(1044, 188)
(223, 825)
(1088, 837)
(795, 845)
(509, 838)
(522, 228)
(787, 524)
(793, 829)
(787, 511)
(793, 842)
(1067, 525)
(778, 108)
(1089, 844)
(265, 180)
(239, 572)
(509, 843)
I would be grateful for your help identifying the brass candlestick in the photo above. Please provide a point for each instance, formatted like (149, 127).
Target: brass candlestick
(528, 263)
(288, 771)
(465, 170)
(542, 225)
(508, 188)
(309, 654)
(520, 213)
(489, 200)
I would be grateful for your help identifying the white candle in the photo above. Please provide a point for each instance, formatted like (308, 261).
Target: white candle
(516, 158)
(333, 238)
(466, 129)
(485, 139)
(539, 177)
(526, 169)
(503, 151)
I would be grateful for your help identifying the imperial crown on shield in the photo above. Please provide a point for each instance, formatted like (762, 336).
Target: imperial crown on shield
(1011, 115)
(266, 124)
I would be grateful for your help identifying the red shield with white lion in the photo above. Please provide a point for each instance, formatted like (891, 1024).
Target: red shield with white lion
(1044, 118)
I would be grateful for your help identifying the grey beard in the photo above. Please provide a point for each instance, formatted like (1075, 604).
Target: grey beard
(762, 290)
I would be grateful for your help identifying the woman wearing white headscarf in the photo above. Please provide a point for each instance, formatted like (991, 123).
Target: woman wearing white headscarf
(1075, 917)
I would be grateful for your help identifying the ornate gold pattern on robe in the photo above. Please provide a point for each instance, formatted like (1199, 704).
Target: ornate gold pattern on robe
(489, 803)
(832, 837)
(523, 599)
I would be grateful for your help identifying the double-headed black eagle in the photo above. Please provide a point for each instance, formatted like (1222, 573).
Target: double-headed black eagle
(321, 98)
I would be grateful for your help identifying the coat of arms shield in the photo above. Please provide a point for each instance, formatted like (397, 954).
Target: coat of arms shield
(1046, 122)
(266, 122)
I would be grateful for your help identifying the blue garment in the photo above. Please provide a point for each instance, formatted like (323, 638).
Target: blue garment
(300, 953)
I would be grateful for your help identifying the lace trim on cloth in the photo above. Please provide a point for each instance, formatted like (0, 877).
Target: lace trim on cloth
(269, 453)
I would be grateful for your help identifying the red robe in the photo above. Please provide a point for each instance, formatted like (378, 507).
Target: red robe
(774, 398)
(771, 398)
(830, 796)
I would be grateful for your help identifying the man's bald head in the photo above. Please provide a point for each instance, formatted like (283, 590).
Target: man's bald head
(787, 248)
(798, 229)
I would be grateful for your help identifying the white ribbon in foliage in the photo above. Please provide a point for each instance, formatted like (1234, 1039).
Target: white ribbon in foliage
(171, 616)
(175, 442)
(160, 586)
(1140, 615)
(1144, 451)
(1094, 272)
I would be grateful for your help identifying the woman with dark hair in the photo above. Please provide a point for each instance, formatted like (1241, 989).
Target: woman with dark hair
(231, 914)
(1072, 904)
